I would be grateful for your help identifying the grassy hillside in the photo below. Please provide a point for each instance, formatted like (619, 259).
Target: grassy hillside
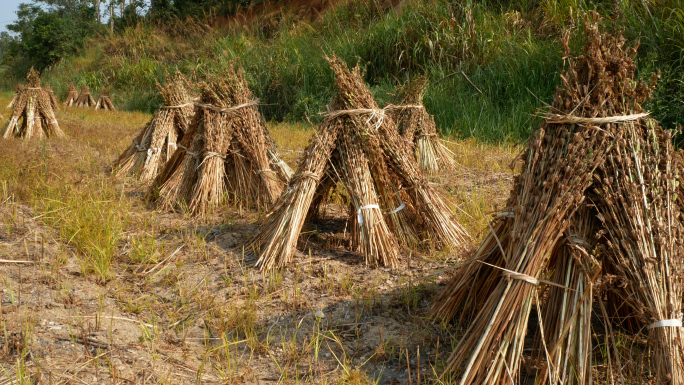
(492, 64)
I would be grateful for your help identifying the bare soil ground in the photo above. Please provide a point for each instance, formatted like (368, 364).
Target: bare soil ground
(108, 290)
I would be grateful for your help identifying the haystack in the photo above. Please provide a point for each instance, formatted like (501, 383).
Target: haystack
(226, 153)
(51, 94)
(418, 127)
(72, 96)
(34, 108)
(391, 201)
(85, 99)
(596, 145)
(104, 102)
(15, 97)
(157, 141)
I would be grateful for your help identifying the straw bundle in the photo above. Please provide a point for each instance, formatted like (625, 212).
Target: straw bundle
(158, 140)
(567, 310)
(597, 143)
(72, 96)
(104, 102)
(33, 105)
(418, 127)
(226, 151)
(644, 237)
(468, 290)
(391, 201)
(85, 99)
(559, 164)
(636, 199)
(51, 94)
(15, 97)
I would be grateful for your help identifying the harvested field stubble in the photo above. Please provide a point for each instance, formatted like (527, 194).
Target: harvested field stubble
(177, 304)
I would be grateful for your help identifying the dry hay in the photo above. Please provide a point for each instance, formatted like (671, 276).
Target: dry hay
(418, 127)
(158, 140)
(72, 96)
(226, 153)
(104, 102)
(85, 99)
(15, 97)
(51, 94)
(358, 146)
(34, 107)
(596, 145)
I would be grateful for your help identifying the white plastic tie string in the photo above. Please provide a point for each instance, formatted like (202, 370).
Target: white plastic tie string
(524, 277)
(401, 207)
(674, 323)
(359, 216)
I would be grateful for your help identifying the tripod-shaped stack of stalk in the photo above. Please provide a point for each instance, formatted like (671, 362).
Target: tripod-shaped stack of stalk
(596, 145)
(391, 201)
(418, 127)
(104, 102)
(85, 98)
(226, 153)
(158, 140)
(72, 96)
(34, 108)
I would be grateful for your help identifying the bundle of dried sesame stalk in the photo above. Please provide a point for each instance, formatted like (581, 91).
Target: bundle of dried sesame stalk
(597, 142)
(85, 98)
(558, 168)
(158, 140)
(418, 127)
(644, 238)
(104, 102)
(566, 313)
(72, 96)
(358, 146)
(33, 105)
(226, 153)
(471, 285)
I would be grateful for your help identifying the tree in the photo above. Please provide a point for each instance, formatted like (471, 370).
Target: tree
(45, 34)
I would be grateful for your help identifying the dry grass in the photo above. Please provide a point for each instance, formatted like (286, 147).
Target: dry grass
(119, 293)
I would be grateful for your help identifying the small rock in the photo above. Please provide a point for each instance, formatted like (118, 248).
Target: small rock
(319, 314)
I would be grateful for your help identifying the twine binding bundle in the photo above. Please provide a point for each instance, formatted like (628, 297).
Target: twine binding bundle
(357, 146)
(33, 106)
(72, 96)
(418, 127)
(227, 152)
(597, 146)
(161, 136)
(104, 102)
(85, 98)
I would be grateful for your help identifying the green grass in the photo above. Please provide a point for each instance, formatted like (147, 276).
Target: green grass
(510, 50)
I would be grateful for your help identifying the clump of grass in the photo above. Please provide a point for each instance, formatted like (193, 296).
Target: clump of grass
(92, 221)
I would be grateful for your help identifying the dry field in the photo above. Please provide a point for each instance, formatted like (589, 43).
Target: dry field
(110, 290)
